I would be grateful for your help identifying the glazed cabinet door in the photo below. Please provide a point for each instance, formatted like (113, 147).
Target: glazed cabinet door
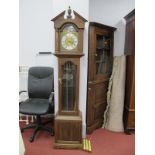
(99, 70)
(103, 54)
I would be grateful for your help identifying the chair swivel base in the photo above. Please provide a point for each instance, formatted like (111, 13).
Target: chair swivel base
(38, 126)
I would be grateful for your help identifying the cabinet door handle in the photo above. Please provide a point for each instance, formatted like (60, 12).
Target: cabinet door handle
(95, 55)
(89, 88)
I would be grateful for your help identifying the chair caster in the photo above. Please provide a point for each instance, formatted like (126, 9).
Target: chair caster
(31, 139)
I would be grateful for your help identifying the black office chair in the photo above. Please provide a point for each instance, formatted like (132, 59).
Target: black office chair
(40, 101)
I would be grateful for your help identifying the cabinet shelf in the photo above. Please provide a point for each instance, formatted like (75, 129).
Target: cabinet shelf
(99, 61)
(102, 48)
(68, 86)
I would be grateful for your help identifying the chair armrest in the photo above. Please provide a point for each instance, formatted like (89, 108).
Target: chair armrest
(20, 98)
(51, 98)
(22, 91)
(51, 101)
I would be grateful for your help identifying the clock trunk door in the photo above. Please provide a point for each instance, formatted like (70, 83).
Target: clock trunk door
(68, 87)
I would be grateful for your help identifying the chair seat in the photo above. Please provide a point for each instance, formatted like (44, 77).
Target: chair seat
(35, 106)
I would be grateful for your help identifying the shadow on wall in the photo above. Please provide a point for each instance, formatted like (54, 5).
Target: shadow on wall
(119, 38)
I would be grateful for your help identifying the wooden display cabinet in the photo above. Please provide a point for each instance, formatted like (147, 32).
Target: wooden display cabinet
(129, 105)
(100, 61)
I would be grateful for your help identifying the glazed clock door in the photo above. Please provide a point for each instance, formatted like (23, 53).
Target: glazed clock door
(68, 87)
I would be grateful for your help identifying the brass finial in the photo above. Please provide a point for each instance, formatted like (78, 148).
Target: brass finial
(69, 12)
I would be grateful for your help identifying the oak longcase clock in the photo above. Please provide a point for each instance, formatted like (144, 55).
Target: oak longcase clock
(68, 49)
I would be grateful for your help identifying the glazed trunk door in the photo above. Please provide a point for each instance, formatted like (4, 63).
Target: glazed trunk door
(68, 87)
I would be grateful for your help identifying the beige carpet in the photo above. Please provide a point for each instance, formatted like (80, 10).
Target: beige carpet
(113, 116)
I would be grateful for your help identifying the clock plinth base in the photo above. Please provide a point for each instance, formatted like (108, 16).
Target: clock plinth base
(68, 132)
(67, 145)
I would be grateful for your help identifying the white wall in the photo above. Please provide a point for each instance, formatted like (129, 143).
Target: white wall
(109, 12)
(112, 12)
(119, 38)
(37, 35)
(83, 10)
(34, 31)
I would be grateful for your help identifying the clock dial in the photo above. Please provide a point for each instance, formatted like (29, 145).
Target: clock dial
(69, 41)
(69, 38)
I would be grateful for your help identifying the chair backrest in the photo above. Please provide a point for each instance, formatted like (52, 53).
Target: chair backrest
(40, 82)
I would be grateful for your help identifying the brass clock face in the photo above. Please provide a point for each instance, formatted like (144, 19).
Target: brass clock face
(69, 41)
(69, 38)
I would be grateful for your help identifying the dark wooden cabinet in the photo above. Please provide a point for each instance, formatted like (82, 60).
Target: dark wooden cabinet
(129, 105)
(100, 61)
